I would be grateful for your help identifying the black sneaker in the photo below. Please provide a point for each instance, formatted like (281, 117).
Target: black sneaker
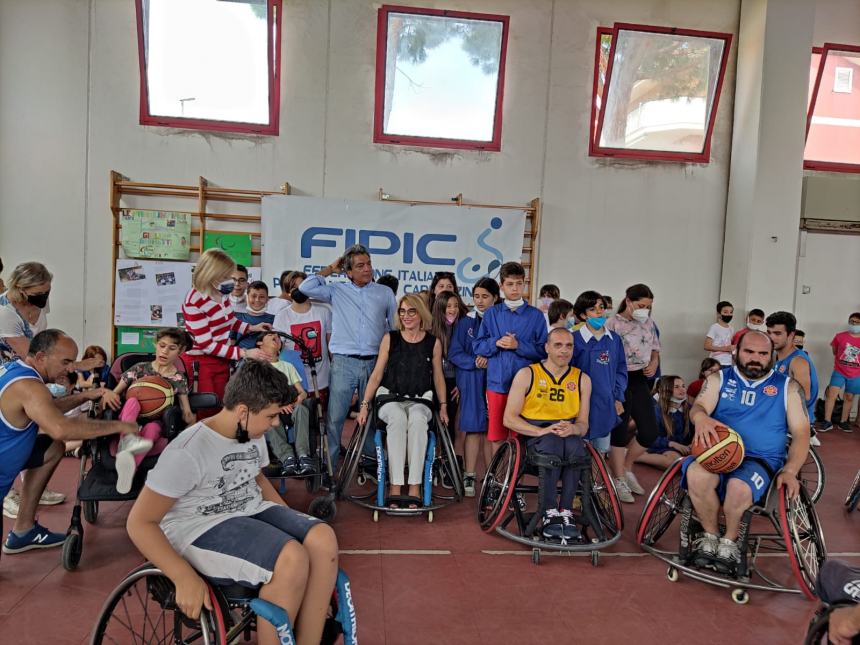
(307, 465)
(569, 529)
(290, 467)
(846, 426)
(552, 526)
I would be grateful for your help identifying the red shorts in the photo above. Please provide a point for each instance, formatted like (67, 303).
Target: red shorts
(496, 430)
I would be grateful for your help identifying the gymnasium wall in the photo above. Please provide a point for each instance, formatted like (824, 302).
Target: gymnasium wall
(69, 114)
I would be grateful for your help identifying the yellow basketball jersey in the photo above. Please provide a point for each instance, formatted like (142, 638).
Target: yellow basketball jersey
(551, 400)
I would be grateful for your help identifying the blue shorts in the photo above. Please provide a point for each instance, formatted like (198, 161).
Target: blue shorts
(34, 460)
(601, 444)
(751, 472)
(244, 550)
(850, 385)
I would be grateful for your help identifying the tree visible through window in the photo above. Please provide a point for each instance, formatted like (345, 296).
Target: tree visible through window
(833, 119)
(210, 64)
(656, 92)
(439, 78)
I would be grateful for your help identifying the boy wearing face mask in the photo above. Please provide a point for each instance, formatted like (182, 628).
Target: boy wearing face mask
(512, 336)
(600, 354)
(846, 374)
(755, 322)
(254, 313)
(311, 322)
(718, 341)
(560, 314)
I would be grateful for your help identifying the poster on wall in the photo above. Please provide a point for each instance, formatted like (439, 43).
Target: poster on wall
(164, 235)
(150, 293)
(236, 245)
(409, 242)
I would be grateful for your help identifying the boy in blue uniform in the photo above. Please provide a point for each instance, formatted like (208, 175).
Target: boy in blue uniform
(512, 336)
(600, 354)
(762, 406)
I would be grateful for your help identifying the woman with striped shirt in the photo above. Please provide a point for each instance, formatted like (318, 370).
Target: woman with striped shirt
(209, 319)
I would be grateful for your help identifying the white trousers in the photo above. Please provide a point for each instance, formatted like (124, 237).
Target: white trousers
(407, 433)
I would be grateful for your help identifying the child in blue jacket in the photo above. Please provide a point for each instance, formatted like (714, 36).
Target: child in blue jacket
(471, 375)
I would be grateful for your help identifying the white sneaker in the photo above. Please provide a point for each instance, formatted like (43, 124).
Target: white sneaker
(135, 444)
(52, 497)
(814, 441)
(10, 504)
(707, 544)
(623, 491)
(633, 483)
(728, 552)
(129, 446)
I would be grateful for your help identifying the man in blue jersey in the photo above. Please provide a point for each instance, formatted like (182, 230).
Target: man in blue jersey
(791, 361)
(763, 407)
(26, 407)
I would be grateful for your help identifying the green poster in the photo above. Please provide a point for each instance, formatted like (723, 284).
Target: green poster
(236, 245)
(160, 235)
(135, 339)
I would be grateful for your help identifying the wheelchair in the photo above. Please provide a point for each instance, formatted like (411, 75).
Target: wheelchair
(794, 529)
(142, 608)
(503, 508)
(323, 507)
(838, 587)
(853, 497)
(812, 476)
(363, 479)
(97, 474)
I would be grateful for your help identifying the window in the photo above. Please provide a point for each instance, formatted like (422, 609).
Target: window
(439, 78)
(210, 64)
(833, 119)
(656, 91)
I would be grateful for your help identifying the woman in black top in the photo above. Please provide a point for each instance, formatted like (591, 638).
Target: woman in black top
(409, 365)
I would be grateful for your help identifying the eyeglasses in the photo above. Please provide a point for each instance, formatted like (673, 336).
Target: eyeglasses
(407, 313)
(240, 280)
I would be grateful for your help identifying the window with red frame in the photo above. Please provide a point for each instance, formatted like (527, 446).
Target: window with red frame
(833, 118)
(439, 78)
(656, 92)
(210, 64)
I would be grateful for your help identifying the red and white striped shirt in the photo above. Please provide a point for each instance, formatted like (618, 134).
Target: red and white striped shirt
(210, 322)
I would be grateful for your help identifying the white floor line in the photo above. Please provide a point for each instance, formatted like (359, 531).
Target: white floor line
(394, 552)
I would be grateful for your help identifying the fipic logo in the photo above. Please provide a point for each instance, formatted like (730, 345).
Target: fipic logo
(475, 269)
(409, 246)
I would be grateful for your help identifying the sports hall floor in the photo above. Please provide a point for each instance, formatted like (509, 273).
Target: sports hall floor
(447, 582)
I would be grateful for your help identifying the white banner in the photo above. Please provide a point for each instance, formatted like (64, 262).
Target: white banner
(409, 242)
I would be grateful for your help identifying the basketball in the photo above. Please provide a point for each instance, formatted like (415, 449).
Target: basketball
(724, 456)
(154, 394)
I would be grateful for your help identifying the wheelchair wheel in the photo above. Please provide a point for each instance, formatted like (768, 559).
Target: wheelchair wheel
(349, 463)
(450, 464)
(498, 485)
(853, 494)
(73, 547)
(604, 493)
(803, 538)
(143, 609)
(662, 506)
(811, 475)
(91, 511)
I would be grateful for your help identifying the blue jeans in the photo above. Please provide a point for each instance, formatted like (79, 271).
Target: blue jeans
(347, 376)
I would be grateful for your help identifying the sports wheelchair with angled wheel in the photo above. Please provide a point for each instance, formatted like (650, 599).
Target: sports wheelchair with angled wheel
(143, 609)
(363, 479)
(853, 497)
(503, 507)
(775, 526)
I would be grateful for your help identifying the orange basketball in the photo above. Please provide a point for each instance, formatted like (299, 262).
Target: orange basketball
(154, 393)
(724, 456)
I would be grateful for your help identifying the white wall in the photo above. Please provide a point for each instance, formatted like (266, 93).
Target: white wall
(606, 224)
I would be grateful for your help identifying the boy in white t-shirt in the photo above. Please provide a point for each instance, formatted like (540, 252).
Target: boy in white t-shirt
(719, 339)
(208, 510)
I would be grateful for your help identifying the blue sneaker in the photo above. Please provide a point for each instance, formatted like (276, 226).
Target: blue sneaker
(37, 537)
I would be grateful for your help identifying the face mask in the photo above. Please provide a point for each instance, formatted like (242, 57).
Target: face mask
(226, 288)
(514, 304)
(39, 300)
(479, 312)
(678, 401)
(608, 313)
(57, 390)
(298, 297)
(854, 329)
(545, 302)
(450, 318)
(569, 324)
(597, 322)
(256, 312)
(242, 433)
(753, 327)
(237, 301)
(726, 319)
(640, 314)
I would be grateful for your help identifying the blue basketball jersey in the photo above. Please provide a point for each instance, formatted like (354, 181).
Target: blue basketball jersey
(16, 444)
(756, 410)
(783, 368)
